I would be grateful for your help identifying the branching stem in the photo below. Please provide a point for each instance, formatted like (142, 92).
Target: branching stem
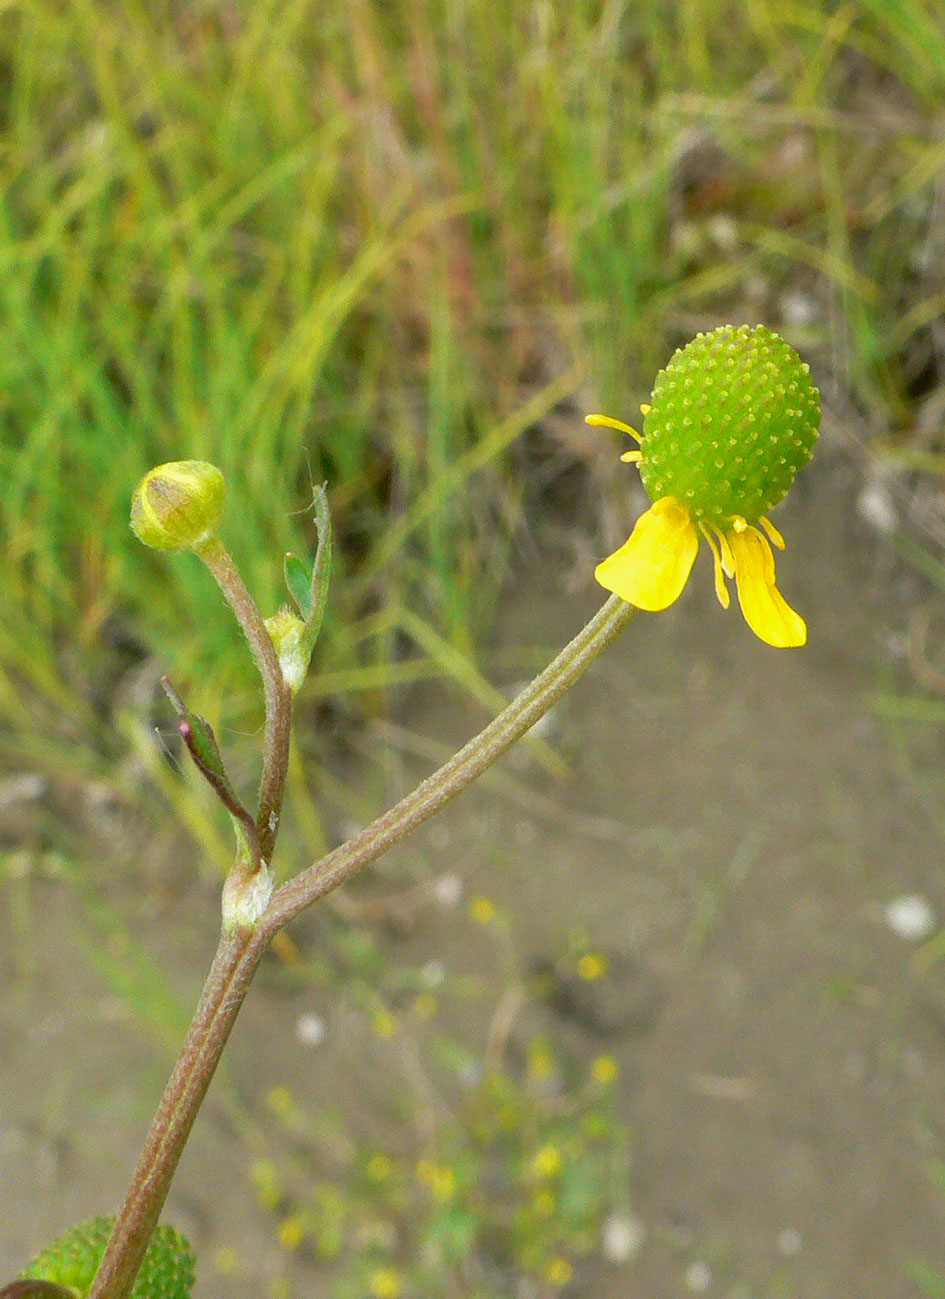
(240, 951)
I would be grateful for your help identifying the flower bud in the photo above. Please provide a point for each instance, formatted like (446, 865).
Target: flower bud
(287, 631)
(178, 506)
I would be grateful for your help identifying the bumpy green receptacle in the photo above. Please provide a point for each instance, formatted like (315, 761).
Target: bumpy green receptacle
(166, 1273)
(732, 419)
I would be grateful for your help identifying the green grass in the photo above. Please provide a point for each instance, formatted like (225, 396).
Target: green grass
(373, 244)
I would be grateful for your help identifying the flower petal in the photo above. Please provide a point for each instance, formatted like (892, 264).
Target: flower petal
(652, 567)
(766, 611)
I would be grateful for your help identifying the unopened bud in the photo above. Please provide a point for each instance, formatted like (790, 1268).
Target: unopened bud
(178, 506)
(287, 631)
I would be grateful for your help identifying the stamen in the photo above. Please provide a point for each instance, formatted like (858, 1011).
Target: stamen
(645, 409)
(739, 524)
(728, 559)
(609, 422)
(773, 534)
(721, 590)
(632, 456)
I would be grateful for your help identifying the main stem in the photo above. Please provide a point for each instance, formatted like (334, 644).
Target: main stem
(240, 952)
(234, 965)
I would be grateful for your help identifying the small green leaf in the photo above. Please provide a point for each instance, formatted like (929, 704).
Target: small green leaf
(299, 583)
(197, 734)
(321, 571)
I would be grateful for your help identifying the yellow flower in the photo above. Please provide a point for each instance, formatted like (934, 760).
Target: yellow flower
(385, 1283)
(558, 1271)
(379, 1167)
(604, 1070)
(292, 1232)
(383, 1023)
(482, 910)
(592, 965)
(733, 417)
(547, 1161)
(440, 1178)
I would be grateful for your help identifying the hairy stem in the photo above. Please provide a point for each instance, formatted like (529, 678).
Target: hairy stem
(277, 694)
(455, 774)
(234, 965)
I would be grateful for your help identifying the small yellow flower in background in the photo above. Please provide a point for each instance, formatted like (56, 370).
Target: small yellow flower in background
(592, 965)
(543, 1202)
(383, 1023)
(732, 419)
(292, 1231)
(379, 1168)
(541, 1062)
(265, 1177)
(384, 1283)
(482, 910)
(440, 1178)
(279, 1100)
(226, 1260)
(558, 1271)
(547, 1161)
(425, 1005)
(604, 1070)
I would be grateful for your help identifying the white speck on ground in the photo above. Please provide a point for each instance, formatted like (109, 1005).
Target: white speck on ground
(910, 916)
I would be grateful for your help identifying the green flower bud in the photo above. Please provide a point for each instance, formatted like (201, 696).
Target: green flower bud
(732, 419)
(287, 631)
(178, 506)
(166, 1273)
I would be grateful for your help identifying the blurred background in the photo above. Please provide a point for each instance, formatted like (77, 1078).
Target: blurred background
(658, 1009)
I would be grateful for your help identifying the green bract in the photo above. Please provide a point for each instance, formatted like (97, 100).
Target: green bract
(732, 419)
(166, 1273)
(178, 506)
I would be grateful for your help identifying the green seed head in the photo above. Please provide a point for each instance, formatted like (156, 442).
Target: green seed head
(732, 419)
(166, 1273)
(179, 505)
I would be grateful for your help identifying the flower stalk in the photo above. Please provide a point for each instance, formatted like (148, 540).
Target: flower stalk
(278, 697)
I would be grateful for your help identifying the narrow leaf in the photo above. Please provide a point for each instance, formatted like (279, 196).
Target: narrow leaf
(321, 571)
(197, 734)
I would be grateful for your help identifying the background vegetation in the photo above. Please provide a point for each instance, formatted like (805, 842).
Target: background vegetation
(400, 248)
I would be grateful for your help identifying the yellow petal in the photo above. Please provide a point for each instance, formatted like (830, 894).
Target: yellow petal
(651, 569)
(766, 611)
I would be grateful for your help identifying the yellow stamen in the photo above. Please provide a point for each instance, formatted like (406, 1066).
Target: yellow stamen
(721, 590)
(645, 409)
(773, 535)
(631, 456)
(728, 559)
(608, 422)
(739, 524)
